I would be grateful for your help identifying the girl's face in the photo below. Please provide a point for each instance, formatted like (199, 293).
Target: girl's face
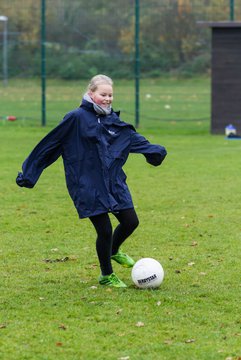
(103, 95)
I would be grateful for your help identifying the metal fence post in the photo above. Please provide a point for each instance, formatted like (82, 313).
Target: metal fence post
(43, 61)
(4, 19)
(137, 63)
(231, 6)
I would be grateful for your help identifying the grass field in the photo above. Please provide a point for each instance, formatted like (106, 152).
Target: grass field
(166, 105)
(51, 304)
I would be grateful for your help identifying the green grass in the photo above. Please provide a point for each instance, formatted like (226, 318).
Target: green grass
(166, 105)
(189, 215)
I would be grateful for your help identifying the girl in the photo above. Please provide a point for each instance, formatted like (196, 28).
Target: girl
(94, 144)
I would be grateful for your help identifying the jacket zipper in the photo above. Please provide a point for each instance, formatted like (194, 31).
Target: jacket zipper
(105, 170)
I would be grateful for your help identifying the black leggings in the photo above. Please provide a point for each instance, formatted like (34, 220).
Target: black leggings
(107, 242)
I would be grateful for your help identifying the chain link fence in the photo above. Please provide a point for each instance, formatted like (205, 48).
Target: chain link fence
(86, 38)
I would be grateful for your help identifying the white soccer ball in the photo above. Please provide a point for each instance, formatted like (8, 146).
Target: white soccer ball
(147, 273)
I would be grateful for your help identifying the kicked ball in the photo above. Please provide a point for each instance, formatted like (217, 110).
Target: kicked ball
(147, 273)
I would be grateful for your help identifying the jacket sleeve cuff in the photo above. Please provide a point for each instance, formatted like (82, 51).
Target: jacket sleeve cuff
(23, 182)
(155, 159)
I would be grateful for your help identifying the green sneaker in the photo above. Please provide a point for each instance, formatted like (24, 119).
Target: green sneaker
(123, 259)
(111, 280)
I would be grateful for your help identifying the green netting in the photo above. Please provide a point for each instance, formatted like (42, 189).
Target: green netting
(86, 38)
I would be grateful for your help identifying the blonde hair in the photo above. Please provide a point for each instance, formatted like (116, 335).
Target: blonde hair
(98, 80)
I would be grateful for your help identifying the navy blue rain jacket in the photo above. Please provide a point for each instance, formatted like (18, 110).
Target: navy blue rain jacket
(94, 149)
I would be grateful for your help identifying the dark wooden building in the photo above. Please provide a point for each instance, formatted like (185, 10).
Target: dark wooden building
(226, 75)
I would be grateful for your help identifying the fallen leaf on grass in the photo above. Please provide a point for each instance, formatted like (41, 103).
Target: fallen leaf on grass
(189, 341)
(194, 243)
(140, 324)
(3, 326)
(202, 273)
(168, 342)
(62, 327)
(56, 260)
(124, 358)
(191, 263)
(59, 343)
(93, 266)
